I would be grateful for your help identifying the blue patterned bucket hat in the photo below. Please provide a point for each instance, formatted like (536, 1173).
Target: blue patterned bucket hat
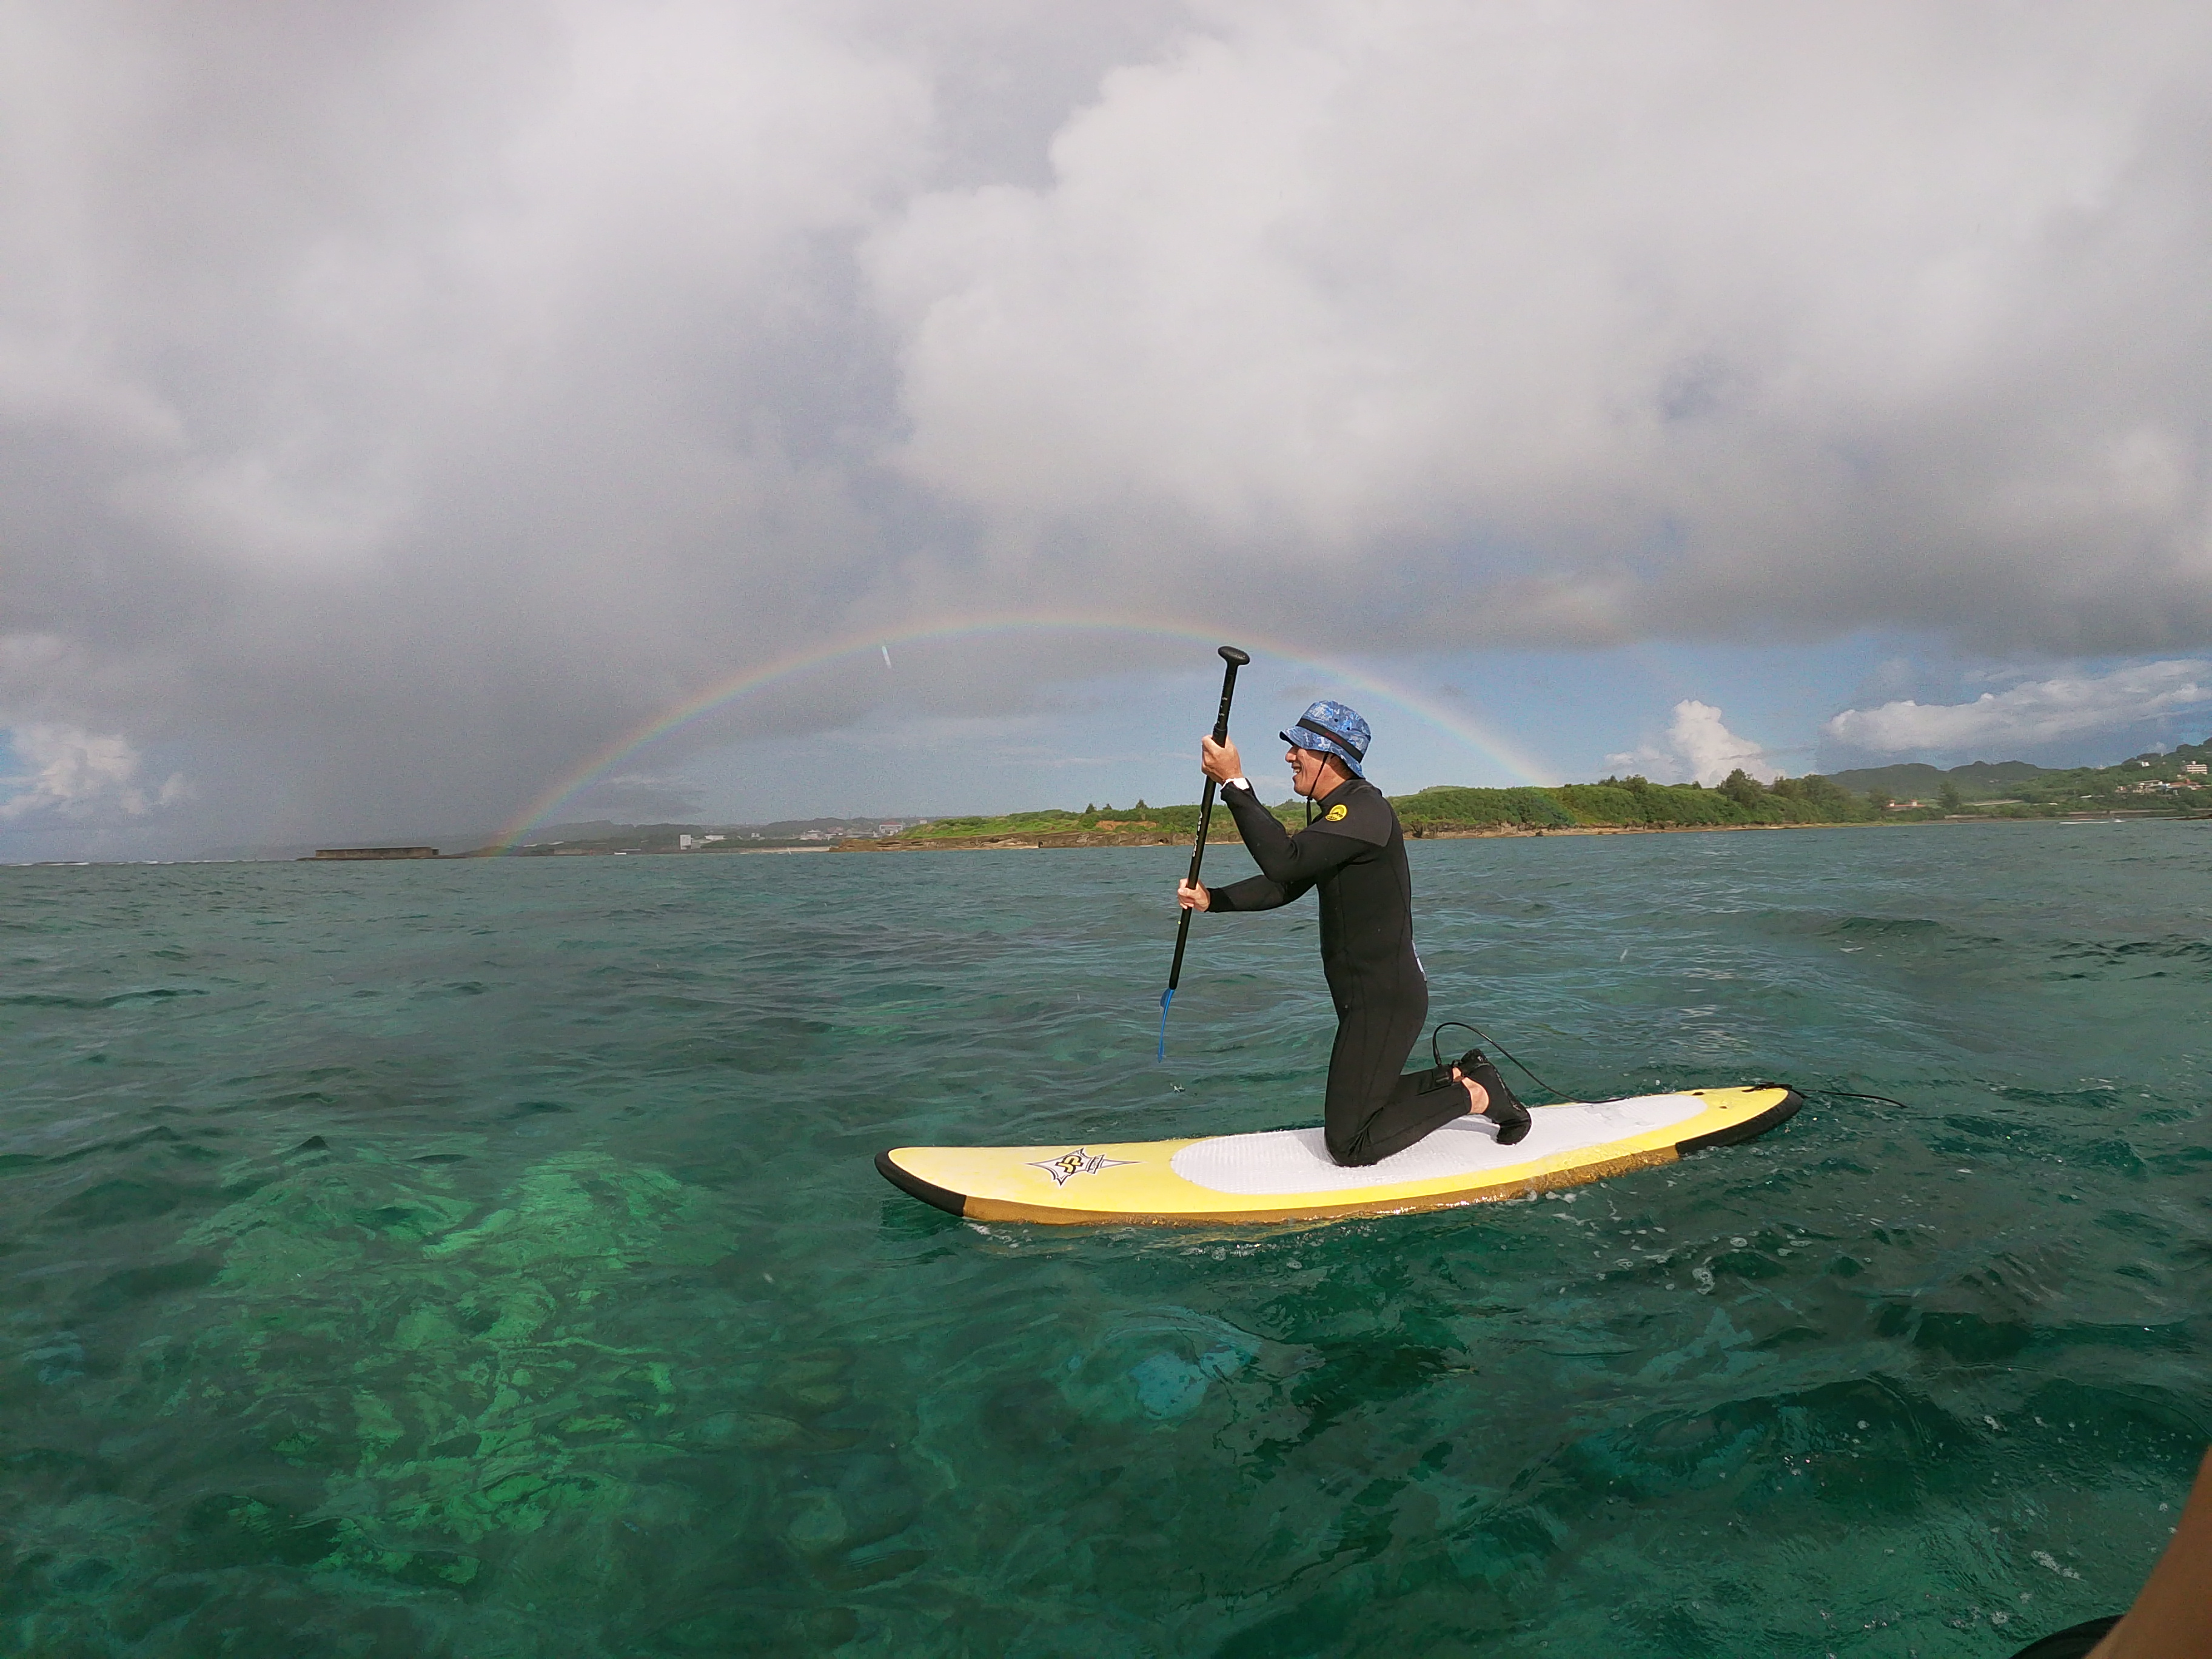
(1330, 728)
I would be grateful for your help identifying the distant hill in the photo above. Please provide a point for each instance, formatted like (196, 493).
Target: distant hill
(2049, 786)
(1976, 781)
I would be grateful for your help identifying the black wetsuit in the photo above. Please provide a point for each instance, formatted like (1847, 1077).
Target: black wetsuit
(1354, 853)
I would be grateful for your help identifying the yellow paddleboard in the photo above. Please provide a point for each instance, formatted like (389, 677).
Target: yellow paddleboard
(1286, 1174)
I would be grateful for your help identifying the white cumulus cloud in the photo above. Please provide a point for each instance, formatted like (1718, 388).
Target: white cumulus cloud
(1699, 746)
(2035, 711)
(78, 774)
(1596, 322)
(401, 403)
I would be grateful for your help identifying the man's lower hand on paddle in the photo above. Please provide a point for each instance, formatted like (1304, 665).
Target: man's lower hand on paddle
(1220, 761)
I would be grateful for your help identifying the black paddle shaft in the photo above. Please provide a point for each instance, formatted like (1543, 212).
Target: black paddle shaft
(1235, 659)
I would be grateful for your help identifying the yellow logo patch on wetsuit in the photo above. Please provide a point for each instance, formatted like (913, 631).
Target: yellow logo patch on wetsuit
(1336, 814)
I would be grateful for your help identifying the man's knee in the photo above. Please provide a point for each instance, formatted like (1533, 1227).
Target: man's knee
(1349, 1149)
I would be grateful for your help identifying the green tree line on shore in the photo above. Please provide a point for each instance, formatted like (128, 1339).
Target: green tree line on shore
(2151, 781)
(1634, 802)
(1612, 803)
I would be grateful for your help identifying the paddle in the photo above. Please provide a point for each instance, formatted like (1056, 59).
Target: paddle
(1235, 659)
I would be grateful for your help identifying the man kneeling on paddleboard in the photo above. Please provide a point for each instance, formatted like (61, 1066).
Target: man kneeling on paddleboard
(1354, 855)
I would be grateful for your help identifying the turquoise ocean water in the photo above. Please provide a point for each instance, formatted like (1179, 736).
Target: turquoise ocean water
(485, 1259)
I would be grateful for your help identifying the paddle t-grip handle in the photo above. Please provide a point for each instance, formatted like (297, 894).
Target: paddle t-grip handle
(1235, 659)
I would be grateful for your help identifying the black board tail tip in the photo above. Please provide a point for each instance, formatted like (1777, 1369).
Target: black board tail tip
(888, 1166)
(1751, 1127)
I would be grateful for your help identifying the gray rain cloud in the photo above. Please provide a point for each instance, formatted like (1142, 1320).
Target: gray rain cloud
(401, 401)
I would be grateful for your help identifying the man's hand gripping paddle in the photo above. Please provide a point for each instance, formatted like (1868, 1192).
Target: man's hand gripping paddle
(1235, 659)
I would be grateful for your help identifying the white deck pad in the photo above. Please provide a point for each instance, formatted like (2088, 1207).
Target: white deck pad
(1284, 1161)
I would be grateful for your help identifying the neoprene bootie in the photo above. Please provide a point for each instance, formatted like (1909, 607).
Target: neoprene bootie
(1510, 1116)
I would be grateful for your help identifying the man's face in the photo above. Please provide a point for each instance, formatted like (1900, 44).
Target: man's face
(1306, 766)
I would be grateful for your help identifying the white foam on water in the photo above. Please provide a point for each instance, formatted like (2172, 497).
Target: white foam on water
(1298, 1160)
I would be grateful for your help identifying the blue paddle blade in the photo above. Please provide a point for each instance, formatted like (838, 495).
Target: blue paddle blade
(1166, 997)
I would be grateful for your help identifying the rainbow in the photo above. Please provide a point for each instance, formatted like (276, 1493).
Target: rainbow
(548, 801)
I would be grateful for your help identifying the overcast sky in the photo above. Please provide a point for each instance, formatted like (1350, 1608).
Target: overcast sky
(401, 402)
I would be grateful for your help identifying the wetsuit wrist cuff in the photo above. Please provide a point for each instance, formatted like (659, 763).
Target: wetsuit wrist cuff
(1245, 784)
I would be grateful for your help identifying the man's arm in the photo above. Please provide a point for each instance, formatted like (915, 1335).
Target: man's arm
(1288, 865)
(1254, 822)
(1253, 893)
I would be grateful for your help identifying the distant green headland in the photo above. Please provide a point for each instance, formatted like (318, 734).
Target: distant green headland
(2179, 783)
(2167, 784)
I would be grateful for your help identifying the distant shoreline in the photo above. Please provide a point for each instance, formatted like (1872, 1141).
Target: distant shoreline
(1049, 842)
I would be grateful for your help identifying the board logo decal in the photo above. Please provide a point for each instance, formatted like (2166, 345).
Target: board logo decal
(1336, 814)
(1068, 1165)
